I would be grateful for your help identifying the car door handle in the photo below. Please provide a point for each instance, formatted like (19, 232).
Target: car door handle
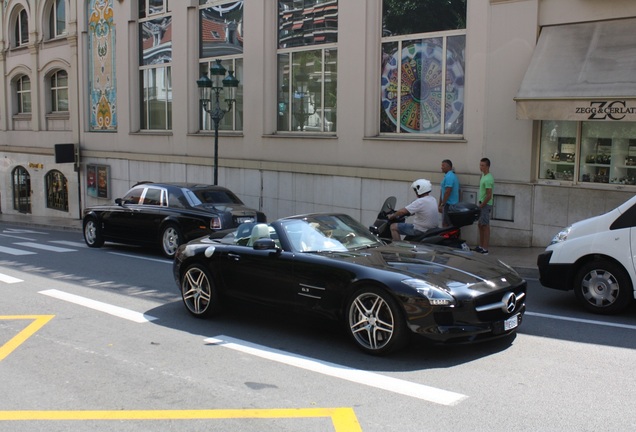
(235, 257)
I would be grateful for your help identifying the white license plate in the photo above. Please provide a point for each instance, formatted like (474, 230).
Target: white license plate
(511, 323)
(244, 220)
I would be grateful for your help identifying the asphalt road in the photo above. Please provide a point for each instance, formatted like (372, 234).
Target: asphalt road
(97, 339)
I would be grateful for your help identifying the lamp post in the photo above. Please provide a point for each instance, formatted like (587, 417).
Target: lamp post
(209, 91)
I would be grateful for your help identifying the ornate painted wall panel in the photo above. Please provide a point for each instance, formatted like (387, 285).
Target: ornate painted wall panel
(101, 45)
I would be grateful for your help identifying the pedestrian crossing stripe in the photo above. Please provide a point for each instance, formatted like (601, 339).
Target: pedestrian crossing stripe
(38, 321)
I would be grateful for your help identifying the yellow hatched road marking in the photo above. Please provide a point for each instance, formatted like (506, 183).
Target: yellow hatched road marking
(343, 419)
(39, 321)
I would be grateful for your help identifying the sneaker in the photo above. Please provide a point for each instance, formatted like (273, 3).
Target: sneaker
(478, 249)
(484, 252)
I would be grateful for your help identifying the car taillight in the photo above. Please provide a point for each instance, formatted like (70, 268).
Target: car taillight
(215, 223)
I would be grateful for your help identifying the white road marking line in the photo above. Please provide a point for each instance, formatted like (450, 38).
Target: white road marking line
(581, 320)
(14, 251)
(9, 279)
(45, 247)
(23, 231)
(371, 379)
(17, 237)
(69, 243)
(165, 261)
(99, 306)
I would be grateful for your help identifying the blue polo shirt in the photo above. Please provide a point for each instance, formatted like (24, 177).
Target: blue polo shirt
(451, 181)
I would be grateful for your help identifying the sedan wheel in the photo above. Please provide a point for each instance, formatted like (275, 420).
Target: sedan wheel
(170, 240)
(375, 322)
(93, 233)
(603, 287)
(198, 292)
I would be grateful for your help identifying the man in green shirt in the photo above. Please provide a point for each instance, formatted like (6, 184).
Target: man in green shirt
(486, 186)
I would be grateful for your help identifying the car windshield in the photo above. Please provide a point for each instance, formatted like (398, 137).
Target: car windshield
(328, 232)
(211, 196)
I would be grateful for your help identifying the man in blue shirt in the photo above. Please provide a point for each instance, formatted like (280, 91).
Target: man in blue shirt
(449, 191)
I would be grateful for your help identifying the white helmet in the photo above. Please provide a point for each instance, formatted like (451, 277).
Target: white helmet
(421, 186)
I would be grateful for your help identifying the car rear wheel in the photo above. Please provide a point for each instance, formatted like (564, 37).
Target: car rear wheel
(375, 322)
(198, 292)
(603, 287)
(170, 240)
(93, 233)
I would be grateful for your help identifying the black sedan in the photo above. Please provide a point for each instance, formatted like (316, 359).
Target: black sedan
(330, 266)
(166, 215)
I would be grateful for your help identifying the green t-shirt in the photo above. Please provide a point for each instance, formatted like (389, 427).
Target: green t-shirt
(487, 181)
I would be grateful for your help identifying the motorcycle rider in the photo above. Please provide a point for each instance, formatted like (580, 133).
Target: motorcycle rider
(424, 210)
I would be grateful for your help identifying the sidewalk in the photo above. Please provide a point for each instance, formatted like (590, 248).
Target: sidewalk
(524, 260)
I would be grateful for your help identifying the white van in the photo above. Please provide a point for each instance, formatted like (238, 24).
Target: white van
(596, 258)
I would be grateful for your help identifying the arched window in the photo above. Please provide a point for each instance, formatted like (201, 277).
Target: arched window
(59, 91)
(56, 190)
(57, 18)
(23, 92)
(21, 29)
(21, 190)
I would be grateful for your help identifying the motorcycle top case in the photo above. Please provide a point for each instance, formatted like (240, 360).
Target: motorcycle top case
(463, 213)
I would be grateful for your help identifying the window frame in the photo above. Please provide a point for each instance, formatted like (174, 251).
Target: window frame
(56, 196)
(21, 28)
(232, 119)
(55, 7)
(54, 92)
(23, 97)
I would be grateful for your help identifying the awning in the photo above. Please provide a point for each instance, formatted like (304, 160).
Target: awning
(584, 71)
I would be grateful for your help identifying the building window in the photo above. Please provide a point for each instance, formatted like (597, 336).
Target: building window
(155, 40)
(221, 37)
(588, 152)
(56, 191)
(423, 67)
(307, 65)
(23, 92)
(57, 18)
(59, 91)
(21, 29)
(21, 185)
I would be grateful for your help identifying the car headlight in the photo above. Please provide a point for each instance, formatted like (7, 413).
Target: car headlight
(435, 295)
(561, 236)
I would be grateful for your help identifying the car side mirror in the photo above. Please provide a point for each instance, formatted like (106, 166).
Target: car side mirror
(265, 244)
(118, 201)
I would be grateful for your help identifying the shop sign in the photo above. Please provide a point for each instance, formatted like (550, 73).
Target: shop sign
(577, 109)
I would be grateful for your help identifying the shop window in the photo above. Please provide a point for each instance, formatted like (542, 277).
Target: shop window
(423, 67)
(588, 152)
(23, 94)
(21, 29)
(56, 18)
(307, 65)
(21, 185)
(155, 71)
(221, 37)
(56, 191)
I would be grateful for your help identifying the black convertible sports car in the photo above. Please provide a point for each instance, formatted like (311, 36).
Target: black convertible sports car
(166, 215)
(331, 266)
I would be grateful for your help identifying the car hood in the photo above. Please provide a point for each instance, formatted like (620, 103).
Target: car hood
(449, 268)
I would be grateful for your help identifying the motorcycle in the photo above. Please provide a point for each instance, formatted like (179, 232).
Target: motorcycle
(461, 214)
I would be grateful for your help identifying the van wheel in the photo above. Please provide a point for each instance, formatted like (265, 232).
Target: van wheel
(603, 287)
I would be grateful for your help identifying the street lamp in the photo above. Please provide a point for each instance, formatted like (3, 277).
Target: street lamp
(209, 91)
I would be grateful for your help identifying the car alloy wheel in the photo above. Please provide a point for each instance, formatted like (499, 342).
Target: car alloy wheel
(170, 240)
(198, 292)
(603, 287)
(375, 322)
(93, 233)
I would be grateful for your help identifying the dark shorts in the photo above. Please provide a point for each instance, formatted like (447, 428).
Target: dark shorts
(408, 229)
(484, 216)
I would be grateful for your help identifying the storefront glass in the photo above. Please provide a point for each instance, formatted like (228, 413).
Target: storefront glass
(603, 152)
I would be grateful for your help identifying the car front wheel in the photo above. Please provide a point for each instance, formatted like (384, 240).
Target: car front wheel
(375, 322)
(93, 233)
(603, 287)
(198, 292)
(170, 240)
